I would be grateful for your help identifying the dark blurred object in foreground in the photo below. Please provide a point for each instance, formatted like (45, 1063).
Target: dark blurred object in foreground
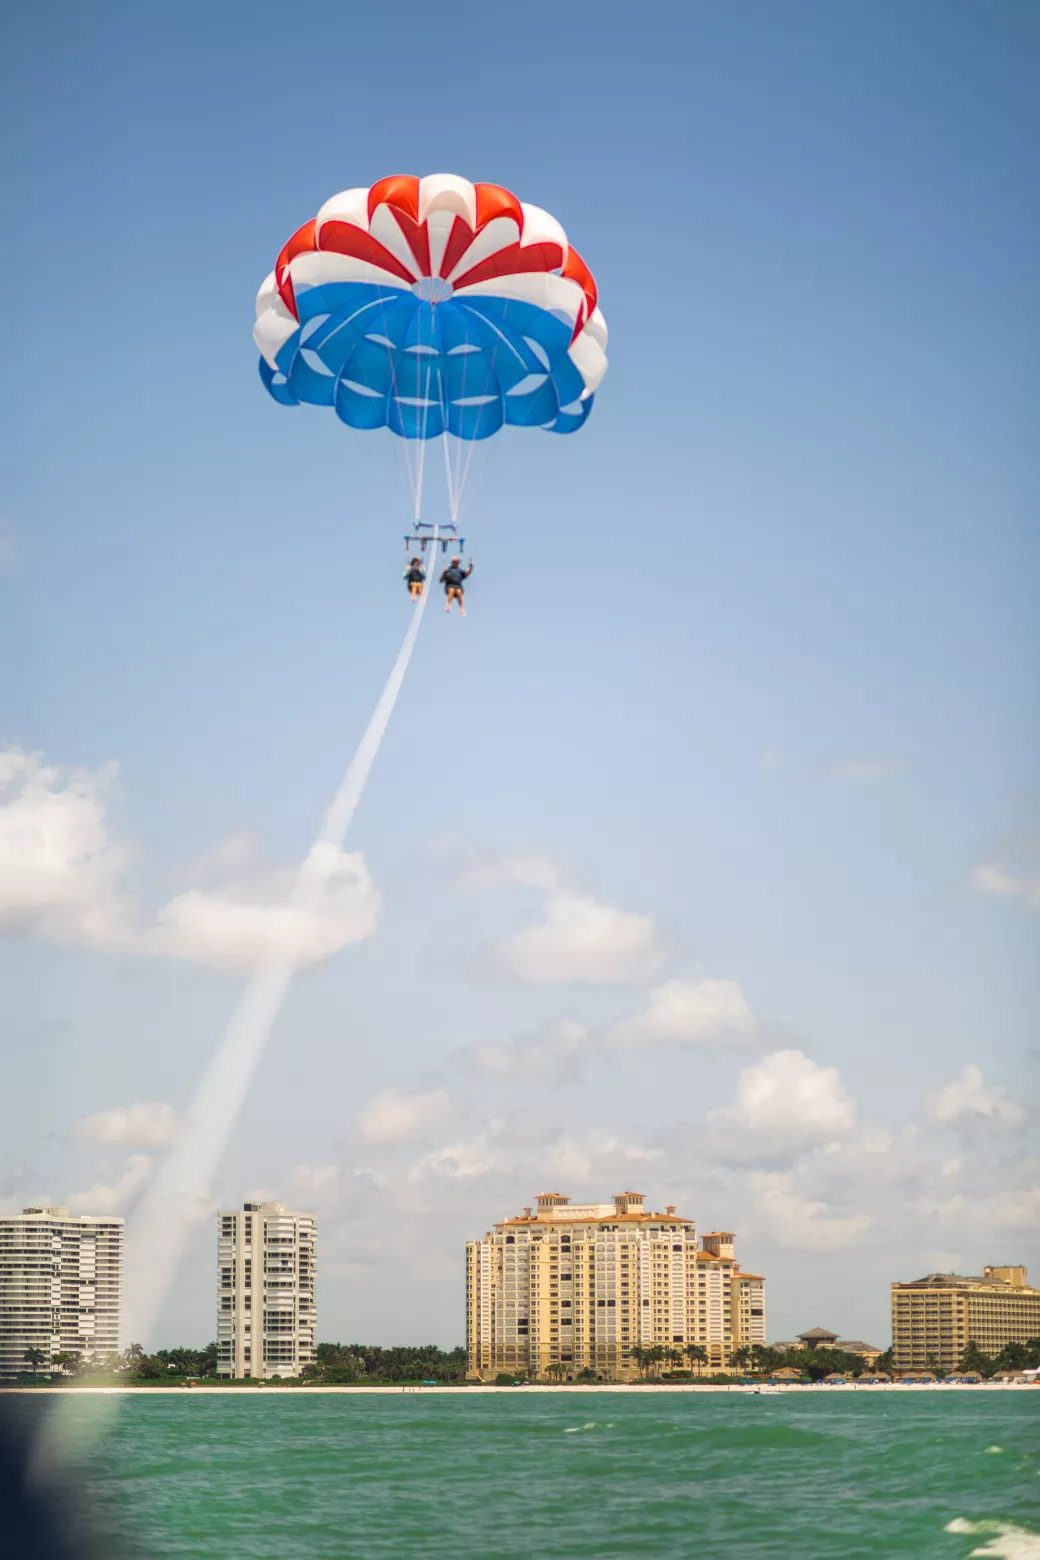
(37, 1522)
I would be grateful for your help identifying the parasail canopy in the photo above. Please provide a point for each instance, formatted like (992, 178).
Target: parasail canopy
(433, 306)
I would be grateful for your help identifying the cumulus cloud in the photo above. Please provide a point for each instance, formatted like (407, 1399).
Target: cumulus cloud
(508, 1150)
(689, 1012)
(529, 869)
(980, 1213)
(788, 1101)
(61, 876)
(458, 1161)
(272, 925)
(1021, 882)
(556, 1051)
(114, 1197)
(582, 939)
(799, 1222)
(397, 1118)
(867, 769)
(234, 853)
(65, 878)
(146, 1124)
(967, 1095)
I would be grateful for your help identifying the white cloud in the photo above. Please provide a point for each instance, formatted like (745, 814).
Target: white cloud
(397, 1118)
(582, 939)
(234, 853)
(269, 925)
(103, 1197)
(529, 869)
(788, 1100)
(1002, 1208)
(968, 1095)
(1003, 882)
(798, 1222)
(458, 1161)
(502, 1148)
(868, 769)
(556, 1051)
(63, 878)
(146, 1124)
(313, 1188)
(991, 879)
(690, 1012)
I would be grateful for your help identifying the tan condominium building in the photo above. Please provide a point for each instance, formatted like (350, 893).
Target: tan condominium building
(266, 1319)
(61, 1275)
(935, 1318)
(578, 1286)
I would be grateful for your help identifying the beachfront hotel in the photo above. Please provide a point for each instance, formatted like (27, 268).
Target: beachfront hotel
(577, 1286)
(935, 1318)
(61, 1275)
(266, 1320)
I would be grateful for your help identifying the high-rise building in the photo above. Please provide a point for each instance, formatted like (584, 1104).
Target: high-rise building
(579, 1286)
(935, 1318)
(266, 1317)
(61, 1274)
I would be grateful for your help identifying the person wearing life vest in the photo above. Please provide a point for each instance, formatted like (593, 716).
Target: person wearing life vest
(415, 579)
(452, 580)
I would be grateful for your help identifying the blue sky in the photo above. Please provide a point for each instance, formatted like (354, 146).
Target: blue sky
(752, 657)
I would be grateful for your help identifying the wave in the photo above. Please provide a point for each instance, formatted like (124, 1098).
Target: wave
(1005, 1540)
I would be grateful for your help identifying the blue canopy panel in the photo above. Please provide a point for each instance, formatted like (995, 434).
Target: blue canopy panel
(385, 358)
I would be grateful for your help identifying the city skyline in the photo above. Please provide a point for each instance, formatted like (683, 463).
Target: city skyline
(703, 853)
(589, 1290)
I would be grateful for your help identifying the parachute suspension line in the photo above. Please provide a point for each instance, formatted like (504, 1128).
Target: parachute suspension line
(457, 477)
(465, 470)
(182, 1190)
(458, 450)
(421, 451)
(415, 470)
(453, 495)
(453, 503)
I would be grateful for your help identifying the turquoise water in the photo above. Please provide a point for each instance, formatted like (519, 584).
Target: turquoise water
(820, 1476)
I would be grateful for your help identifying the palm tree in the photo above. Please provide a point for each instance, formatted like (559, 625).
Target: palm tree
(675, 1357)
(62, 1361)
(638, 1353)
(133, 1356)
(741, 1357)
(973, 1361)
(655, 1354)
(556, 1368)
(35, 1357)
(696, 1354)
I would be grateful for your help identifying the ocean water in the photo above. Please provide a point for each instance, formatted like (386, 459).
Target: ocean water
(516, 1475)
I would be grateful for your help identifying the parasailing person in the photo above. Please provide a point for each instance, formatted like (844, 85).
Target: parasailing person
(415, 579)
(453, 579)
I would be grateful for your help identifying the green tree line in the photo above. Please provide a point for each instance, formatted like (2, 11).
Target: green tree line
(336, 1363)
(341, 1363)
